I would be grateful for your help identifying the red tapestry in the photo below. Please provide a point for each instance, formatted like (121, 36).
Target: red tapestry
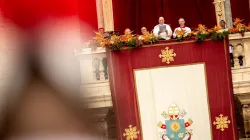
(215, 55)
(135, 14)
(244, 12)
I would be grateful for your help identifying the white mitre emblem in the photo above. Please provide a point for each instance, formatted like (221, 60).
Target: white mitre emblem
(173, 110)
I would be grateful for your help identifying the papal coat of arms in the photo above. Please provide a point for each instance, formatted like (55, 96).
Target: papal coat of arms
(175, 127)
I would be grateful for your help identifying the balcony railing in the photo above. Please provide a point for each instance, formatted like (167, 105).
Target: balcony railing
(94, 76)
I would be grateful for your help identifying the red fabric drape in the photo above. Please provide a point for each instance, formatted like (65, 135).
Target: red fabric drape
(241, 9)
(134, 14)
(28, 13)
(194, 12)
(137, 13)
(88, 14)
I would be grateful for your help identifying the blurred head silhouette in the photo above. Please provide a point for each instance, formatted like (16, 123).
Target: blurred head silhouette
(41, 92)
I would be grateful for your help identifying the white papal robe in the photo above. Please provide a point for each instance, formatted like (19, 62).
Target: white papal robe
(163, 35)
(187, 30)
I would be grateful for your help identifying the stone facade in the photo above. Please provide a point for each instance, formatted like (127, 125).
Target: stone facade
(95, 89)
(241, 80)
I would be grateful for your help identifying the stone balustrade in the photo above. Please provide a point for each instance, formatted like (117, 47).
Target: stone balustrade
(240, 62)
(94, 76)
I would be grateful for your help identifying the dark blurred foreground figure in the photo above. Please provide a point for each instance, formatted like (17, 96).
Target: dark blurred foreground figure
(41, 112)
(40, 77)
(44, 107)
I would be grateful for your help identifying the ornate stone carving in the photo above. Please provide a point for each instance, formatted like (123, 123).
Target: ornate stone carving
(219, 10)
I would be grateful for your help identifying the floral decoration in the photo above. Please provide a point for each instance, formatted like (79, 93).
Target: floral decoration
(200, 34)
(238, 27)
(182, 35)
(248, 28)
(217, 33)
(149, 38)
(115, 42)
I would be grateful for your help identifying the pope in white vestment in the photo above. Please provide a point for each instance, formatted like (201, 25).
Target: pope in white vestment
(160, 32)
(182, 27)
